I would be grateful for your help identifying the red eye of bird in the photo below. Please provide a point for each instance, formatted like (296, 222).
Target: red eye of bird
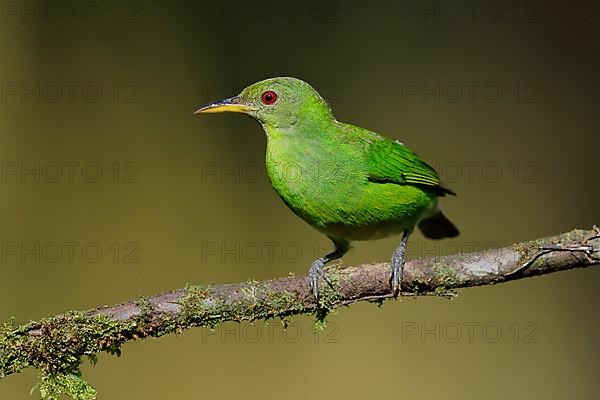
(269, 97)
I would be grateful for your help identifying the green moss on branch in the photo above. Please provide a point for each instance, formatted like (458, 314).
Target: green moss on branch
(57, 346)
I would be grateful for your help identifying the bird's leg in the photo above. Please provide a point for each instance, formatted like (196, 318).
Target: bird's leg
(397, 264)
(316, 268)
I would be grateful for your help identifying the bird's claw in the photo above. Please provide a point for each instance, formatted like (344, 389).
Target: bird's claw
(395, 279)
(397, 268)
(397, 265)
(316, 269)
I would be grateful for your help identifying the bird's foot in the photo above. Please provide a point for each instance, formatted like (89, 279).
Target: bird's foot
(396, 274)
(397, 266)
(316, 269)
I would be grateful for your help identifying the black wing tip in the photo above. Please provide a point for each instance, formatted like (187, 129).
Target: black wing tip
(444, 190)
(438, 227)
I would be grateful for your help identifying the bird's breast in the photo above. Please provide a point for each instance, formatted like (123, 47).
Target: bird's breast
(325, 182)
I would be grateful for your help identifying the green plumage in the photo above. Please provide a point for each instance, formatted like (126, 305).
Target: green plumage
(346, 181)
(338, 184)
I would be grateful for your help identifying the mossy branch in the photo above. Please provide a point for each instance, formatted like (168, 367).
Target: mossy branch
(57, 345)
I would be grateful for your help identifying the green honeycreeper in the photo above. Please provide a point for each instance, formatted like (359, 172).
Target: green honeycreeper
(346, 181)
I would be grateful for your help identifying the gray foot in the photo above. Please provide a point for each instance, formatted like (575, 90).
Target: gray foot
(316, 269)
(397, 265)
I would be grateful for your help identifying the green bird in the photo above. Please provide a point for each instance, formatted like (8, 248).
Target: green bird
(347, 182)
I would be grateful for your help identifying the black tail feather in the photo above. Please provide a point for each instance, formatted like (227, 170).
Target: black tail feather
(438, 227)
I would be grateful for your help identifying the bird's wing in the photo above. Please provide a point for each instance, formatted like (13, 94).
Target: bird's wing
(391, 162)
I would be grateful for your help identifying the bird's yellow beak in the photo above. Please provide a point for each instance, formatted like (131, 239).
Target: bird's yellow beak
(228, 105)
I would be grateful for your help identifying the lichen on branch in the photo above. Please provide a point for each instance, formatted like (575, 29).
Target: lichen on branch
(57, 345)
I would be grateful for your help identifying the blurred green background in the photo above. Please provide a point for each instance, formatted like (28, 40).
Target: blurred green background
(501, 97)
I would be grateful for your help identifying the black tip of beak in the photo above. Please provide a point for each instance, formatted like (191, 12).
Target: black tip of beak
(232, 104)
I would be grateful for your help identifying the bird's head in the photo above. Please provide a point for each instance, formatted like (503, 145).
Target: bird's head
(275, 102)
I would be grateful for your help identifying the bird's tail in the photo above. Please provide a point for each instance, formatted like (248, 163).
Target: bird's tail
(438, 227)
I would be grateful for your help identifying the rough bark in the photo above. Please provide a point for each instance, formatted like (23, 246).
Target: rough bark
(57, 344)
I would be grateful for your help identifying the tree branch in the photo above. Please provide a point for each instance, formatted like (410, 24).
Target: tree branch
(57, 344)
